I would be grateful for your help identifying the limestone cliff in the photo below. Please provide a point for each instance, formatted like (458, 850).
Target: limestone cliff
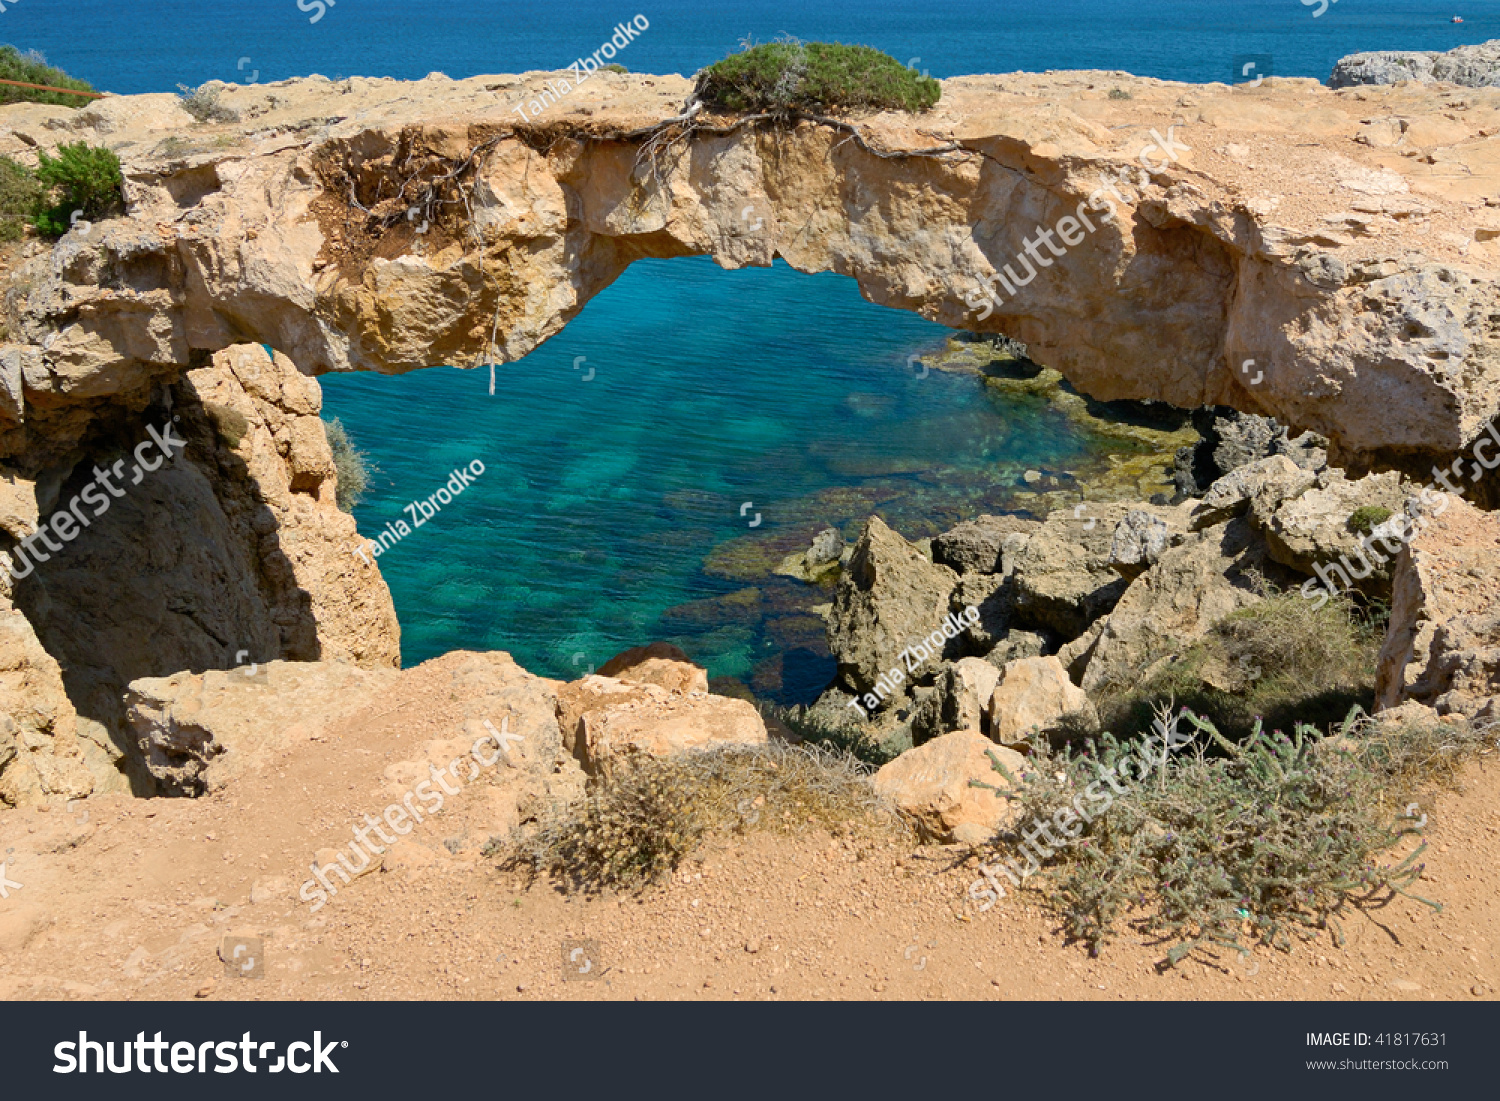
(1326, 257)
(1341, 239)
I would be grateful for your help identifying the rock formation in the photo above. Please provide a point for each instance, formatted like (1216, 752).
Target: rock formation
(1471, 66)
(1343, 282)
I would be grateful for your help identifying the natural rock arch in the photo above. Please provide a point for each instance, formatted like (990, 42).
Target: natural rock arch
(387, 226)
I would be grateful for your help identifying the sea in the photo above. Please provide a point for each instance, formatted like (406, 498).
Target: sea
(647, 468)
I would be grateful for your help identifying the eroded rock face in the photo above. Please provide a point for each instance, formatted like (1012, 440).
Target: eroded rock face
(229, 552)
(1443, 645)
(329, 602)
(1472, 66)
(1189, 589)
(889, 597)
(41, 754)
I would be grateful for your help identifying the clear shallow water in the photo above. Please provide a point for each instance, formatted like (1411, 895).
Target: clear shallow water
(609, 512)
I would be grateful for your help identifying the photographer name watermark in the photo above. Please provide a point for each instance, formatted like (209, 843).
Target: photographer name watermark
(422, 511)
(584, 67)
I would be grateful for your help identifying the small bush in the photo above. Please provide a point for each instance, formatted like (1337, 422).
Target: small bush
(1119, 93)
(650, 813)
(83, 178)
(1367, 518)
(614, 67)
(20, 195)
(816, 730)
(351, 465)
(1282, 660)
(203, 103)
(1267, 841)
(790, 76)
(32, 68)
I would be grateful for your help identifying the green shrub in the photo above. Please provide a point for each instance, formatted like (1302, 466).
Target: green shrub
(790, 76)
(1367, 518)
(613, 67)
(20, 195)
(1119, 93)
(32, 68)
(351, 465)
(203, 103)
(1283, 660)
(648, 814)
(1267, 841)
(83, 178)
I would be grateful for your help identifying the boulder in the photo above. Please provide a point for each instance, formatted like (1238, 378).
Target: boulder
(1231, 440)
(1231, 495)
(820, 560)
(1442, 648)
(993, 597)
(826, 550)
(1138, 542)
(1304, 530)
(931, 785)
(649, 719)
(198, 731)
(889, 597)
(1075, 655)
(1178, 600)
(1243, 438)
(1015, 643)
(978, 545)
(960, 700)
(202, 732)
(1062, 576)
(1032, 695)
(661, 664)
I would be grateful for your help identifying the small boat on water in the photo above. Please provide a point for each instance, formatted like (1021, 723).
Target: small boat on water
(1456, 19)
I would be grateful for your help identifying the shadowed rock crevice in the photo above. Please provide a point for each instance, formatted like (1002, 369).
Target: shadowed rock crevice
(231, 553)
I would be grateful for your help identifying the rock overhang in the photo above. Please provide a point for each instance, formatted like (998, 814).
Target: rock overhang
(1250, 247)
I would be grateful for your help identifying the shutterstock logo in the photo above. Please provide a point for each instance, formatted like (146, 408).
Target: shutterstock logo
(187, 1058)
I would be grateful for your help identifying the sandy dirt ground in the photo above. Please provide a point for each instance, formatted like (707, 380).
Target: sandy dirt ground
(122, 898)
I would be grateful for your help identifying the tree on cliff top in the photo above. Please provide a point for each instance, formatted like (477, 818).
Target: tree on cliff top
(789, 76)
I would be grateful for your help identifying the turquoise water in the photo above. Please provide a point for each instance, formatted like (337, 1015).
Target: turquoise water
(609, 513)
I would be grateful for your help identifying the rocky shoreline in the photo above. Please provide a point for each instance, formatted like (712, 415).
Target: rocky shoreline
(1093, 598)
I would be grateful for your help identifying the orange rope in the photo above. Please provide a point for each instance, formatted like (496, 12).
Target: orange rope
(50, 88)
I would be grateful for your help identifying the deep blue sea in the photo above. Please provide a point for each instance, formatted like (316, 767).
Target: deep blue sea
(647, 466)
